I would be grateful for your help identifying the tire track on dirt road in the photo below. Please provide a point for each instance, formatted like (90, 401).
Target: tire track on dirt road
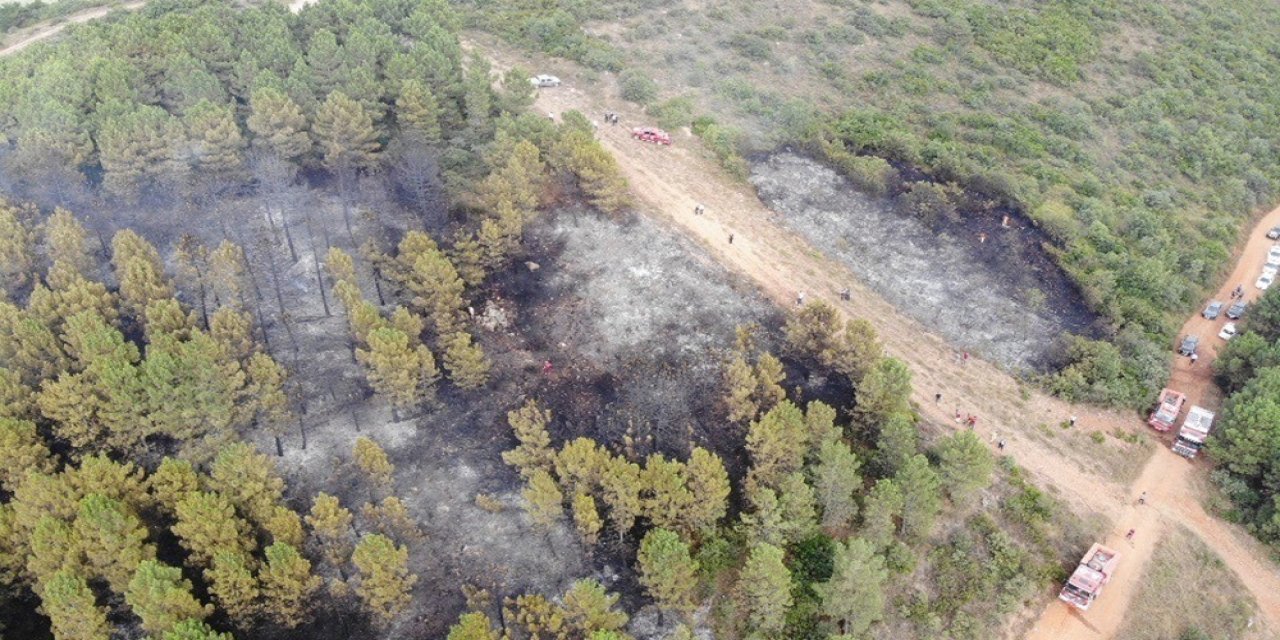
(46, 30)
(670, 181)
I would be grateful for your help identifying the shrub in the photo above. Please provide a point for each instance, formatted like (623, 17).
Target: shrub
(637, 87)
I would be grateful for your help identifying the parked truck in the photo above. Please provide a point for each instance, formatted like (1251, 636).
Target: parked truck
(1094, 572)
(1194, 431)
(1167, 409)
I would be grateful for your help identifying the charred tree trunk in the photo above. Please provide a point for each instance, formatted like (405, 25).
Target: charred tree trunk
(315, 263)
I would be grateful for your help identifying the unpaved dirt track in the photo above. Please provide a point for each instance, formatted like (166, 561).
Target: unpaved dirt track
(670, 181)
(43, 32)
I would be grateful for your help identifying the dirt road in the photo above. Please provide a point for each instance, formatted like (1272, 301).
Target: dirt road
(670, 181)
(40, 32)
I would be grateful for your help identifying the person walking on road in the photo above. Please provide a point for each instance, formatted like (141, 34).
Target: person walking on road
(1142, 499)
(1129, 536)
(800, 299)
(1194, 357)
(937, 398)
(699, 210)
(731, 238)
(1073, 421)
(844, 294)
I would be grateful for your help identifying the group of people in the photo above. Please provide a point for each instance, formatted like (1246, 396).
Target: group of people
(1237, 292)
(1142, 499)
(611, 117)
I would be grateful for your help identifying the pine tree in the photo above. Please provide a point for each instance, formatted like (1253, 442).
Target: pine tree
(776, 443)
(811, 331)
(72, 609)
(232, 330)
(965, 465)
(579, 465)
(17, 248)
(330, 523)
(113, 540)
(278, 124)
(854, 596)
(468, 367)
(248, 479)
(68, 249)
(138, 146)
(341, 268)
(287, 585)
(473, 626)
(534, 451)
(233, 585)
(171, 483)
(921, 497)
(667, 496)
(820, 424)
(799, 506)
(228, 273)
(436, 290)
(885, 391)
(69, 402)
(543, 499)
(709, 484)
(54, 547)
(621, 487)
(837, 483)
(898, 441)
(17, 401)
(769, 377)
(417, 111)
(284, 525)
(191, 259)
(410, 323)
(740, 379)
(265, 387)
(161, 597)
(165, 319)
(139, 271)
(207, 526)
(881, 512)
(666, 571)
(391, 518)
(344, 134)
(218, 145)
(518, 183)
(385, 580)
(373, 462)
(589, 608)
(586, 518)
(765, 522)
(122, 481)
(764, 592)
(194, 630)
(857, 351)
(21, 450)
(395, 368)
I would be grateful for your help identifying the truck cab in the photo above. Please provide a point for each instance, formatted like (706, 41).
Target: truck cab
(1094, 572)
(1195, 430)
(1168, 406)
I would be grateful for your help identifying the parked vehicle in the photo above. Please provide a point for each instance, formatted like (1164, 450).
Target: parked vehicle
(1167, 409)
(1273, 254)
(1091, 575)
(1237, 310)
(651, 134)
(1270, 270)
(1228, 331)
(1212, 311)
(1195, 430)
(544, 81)
(1189, 345)
(1264, 281)
(1274, 233)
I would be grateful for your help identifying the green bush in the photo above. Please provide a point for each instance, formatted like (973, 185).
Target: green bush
(637, 87)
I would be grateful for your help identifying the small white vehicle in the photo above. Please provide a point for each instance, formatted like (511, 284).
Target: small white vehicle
(1228, 331)
(544, 80)
(1273, 255)
(1264, 281)
(1270, 269)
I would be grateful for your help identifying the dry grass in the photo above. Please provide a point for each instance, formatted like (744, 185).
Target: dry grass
(1187, 587)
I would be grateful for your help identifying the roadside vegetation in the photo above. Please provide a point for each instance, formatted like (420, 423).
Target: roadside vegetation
(1247, 433)
(1133, 134)
(16, 15)
(1188, 594)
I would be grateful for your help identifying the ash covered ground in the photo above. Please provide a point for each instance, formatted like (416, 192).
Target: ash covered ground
(1002, 298)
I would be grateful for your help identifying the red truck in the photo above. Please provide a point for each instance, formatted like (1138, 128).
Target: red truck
(1167, 409)
(650, 134)
(1094, 572)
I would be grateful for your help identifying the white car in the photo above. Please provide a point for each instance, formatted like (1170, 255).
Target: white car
(544, 81)
(1228, 331)
(1270, 269)
(1264, 281)
(1273, 255)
